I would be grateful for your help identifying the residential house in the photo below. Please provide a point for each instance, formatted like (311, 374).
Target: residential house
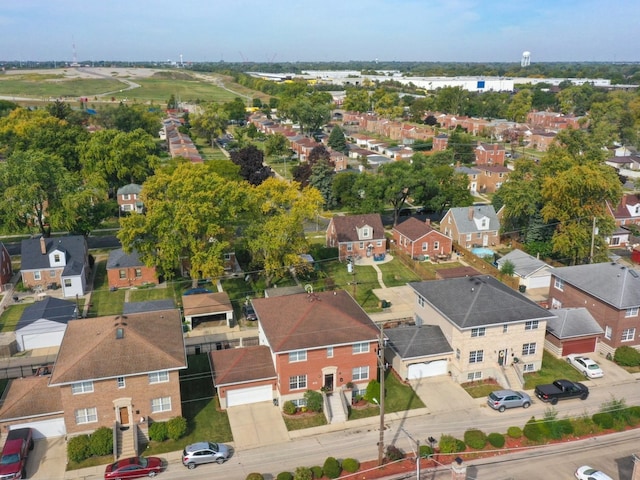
(489, 154)
(129, 198)
(6, 269)
(611, 293)
(574, 330)
(488, 325)
(126, 270)
(440, 142)
(43, 323)
(541, 141)
(357, 235)
(472, 174)
(212, 309)
(491, 177)
(340, 160)
(120, 370)
(477, 225)
(308, 341)
(56, 262)
(532, 272)
(626, 213)
(420, 240)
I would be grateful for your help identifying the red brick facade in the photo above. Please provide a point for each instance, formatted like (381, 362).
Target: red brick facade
(124, 277)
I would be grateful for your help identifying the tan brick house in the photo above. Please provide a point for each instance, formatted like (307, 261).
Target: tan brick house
(357, 235)
(477, 225)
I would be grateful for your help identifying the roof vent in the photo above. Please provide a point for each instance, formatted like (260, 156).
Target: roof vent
(119, 333)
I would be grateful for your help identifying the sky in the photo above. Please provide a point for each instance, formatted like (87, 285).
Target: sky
(320, 30)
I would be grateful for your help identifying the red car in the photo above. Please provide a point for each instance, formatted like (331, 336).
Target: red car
(134, 467)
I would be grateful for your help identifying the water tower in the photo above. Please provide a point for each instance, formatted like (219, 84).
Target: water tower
(526, 59)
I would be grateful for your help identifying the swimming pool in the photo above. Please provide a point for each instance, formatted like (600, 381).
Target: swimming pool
(482, 252)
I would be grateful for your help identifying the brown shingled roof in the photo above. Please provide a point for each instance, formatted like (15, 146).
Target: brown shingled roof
(204, 303)
(315, 320)
(151, 341)
(414, 229)
(240, 365)
(346, 226)
(30, 397)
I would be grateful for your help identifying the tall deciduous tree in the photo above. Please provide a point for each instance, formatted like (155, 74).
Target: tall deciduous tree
(251, 163)
(356, 100)
(520, 105)
(211, 122)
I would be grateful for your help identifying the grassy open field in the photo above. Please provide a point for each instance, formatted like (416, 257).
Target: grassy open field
(44, 86)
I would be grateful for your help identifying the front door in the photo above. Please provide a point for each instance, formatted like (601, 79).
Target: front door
(124, 416)
(328, 382)
(502, 355)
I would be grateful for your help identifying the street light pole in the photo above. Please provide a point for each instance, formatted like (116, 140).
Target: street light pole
(382, 372)
(417, 452)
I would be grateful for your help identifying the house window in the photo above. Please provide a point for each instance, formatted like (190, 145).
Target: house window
(366, 233)
(126, 196)
(86, 415)
(67, 282)
(138, 272)
(37, 275)
(297, 382)
(56, 257)
(82, 387)
(476, 356)
(159, 377)
(474, 376)
(483, 224)
(628, 334)
(478, 332)
(162, 404)
(556, 303)
(299, 402)
(528, 349)
(425, 246)
(123, 274)
(607, 332)
(631, 312)
(421, 300)
(52, 274)
(559, 284)
(227, 257)
(298, 356)
(379, 243)
(120, 381)
(361, 245)
(505, 328)
(531, 325)
(436, 245)
(528, 367)
(360, 373)
(615, 241)
(349, 247)
(329, 352)
(360, 348)
(479, 235)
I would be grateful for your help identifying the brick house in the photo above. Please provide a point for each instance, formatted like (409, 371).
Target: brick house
(491, 177)
(489, 154)
(357, 235)
(488, 325)
(472, 174)
(541, 140)
(57, 262)
(474, 225)
(309, 341)
(6, 269)
(440, 142)
(611, 293)
(627, 212)
(419, 240)
(129, 198)
(126, 270)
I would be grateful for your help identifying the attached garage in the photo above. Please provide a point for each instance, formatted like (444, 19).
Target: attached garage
(580, 345)
(242, 396)
(573, 330)
(53, 427)
(427, 369)
(542, 281)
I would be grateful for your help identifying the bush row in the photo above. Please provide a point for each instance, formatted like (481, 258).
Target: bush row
(98, 444)
(332, 468)
(173, 428)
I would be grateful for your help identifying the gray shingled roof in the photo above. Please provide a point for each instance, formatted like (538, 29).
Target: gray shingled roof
(468, 225)
(51, 308)
(525, 264)
(478, 301)
(417, 341)
(129, 189)
(74, 247)
(573, 322)
(612, 283)
(120, 259)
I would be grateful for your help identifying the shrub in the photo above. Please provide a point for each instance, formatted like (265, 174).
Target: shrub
(627, 356)
(450, 444)
(314, 400)
(425, 451)
(303, 473)
(475, 438)
(255, 476)
(79, 448)
(373, 391)
(331, 468)
(617, 408)
(532, 430)
(101, 442)
(565, 426)
(289, 407)
(584, 426)
(634, 411)
(176, 428)
(393, 453)
(316, 471)
(603, 420)
(158, 431)
(496, 440)
(284, 476)
(350, 465)
(514, 432)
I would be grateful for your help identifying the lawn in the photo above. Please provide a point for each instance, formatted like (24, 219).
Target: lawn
(168, 290)
(11, 316)
(395, 273)
(481, 388)
(304, 421)
(552, 369)
(365, 278)
(48, 85)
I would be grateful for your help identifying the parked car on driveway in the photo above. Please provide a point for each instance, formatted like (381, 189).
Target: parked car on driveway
(249, 313)
(134, 467)
(585, 365)
(205, 452)
(587, 473)
(502, 399)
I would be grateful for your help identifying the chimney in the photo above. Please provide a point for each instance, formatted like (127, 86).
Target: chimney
(43, 246)
(623, 202)
(428, 221)
(470, 213)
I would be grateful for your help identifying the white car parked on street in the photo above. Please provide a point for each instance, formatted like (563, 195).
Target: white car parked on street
(588, 367)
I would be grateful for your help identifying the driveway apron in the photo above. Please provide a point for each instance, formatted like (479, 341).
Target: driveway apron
(257, 424)
(441, 394)
(48, 459)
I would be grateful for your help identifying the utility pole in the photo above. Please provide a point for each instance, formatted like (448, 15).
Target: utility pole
(382, 372)
(593, 239)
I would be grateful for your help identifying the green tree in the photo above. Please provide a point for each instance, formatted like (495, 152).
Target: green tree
(508, 268)
(128, 118)
(451, 100)
(396, 182)
(337, 141)
(520, 105)
(321, 178)
(172, 104)
(310, 116)
(236, 109)
(276, 145)
(211, 122)
(356, 100)
(462, 144)
(251, 163)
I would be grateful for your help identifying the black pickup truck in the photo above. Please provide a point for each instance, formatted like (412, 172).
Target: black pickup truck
(561, 389)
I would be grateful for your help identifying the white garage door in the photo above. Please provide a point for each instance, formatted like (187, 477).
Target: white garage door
(242, 396)
(427, 369)
(53, 427)
(39, 340)
(539, 282)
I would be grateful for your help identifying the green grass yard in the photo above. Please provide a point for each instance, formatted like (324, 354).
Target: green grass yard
(552, 369)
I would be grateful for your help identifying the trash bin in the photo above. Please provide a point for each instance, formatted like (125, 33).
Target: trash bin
(522, 288)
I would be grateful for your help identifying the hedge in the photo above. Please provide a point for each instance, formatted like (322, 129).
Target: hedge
(101, 442)
(284, 476)
(496, 440)
(350, 465)
(176, 428)
(603, 420)
(450, 444)
(289, 407)
(255, 476)
(475, 438)
(78, 448)
(158, 431)
(331, 468)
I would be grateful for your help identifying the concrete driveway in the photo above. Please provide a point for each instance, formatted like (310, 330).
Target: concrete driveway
(48, 459)
(256, 425)
(441, 394)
